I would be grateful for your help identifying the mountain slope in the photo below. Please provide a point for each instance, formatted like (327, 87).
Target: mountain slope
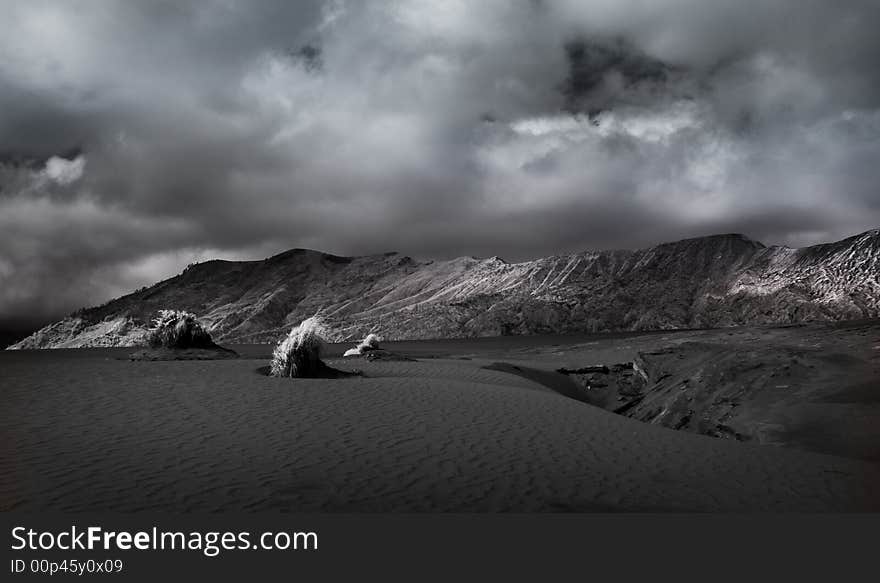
(721, 280)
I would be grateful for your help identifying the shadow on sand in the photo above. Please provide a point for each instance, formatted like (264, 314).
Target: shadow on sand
(324, 372)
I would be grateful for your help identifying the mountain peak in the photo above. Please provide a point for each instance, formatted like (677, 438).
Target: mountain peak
(727, 237)
(736, 242)
(296, 251)
(308, 255)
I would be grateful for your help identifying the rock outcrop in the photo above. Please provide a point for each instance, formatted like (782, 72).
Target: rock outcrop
(813, 387)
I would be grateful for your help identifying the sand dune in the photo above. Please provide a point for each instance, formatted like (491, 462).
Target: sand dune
(86, 431)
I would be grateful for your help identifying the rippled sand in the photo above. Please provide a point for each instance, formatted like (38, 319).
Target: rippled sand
(85, 430)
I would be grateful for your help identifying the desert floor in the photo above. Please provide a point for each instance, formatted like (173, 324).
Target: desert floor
(87, 429)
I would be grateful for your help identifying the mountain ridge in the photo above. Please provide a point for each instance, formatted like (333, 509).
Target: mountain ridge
(712, 281)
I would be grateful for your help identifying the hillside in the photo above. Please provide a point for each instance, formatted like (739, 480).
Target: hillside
(715, 281)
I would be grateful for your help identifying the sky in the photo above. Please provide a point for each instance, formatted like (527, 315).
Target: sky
(137, 137)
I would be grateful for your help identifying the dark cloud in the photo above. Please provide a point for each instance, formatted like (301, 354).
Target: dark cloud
(310, 56)
(608, 74)
(137, 137)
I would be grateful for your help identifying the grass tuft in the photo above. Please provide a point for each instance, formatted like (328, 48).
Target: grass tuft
(368, 344)
(179, 330)
(299, 354)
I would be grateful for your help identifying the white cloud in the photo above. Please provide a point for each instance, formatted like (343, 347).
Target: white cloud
(63, 171)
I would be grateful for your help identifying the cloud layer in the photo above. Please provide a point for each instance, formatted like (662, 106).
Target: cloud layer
(137, 137)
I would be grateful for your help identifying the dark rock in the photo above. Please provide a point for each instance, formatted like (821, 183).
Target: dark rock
(600, 368)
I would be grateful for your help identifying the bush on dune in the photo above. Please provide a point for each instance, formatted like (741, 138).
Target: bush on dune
(180, 330)
(299, 355)
(368, 344)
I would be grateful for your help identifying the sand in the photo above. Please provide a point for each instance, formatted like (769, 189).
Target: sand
(86, 430)
(161, 353)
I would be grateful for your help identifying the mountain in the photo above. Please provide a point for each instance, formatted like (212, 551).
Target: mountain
(716, 281)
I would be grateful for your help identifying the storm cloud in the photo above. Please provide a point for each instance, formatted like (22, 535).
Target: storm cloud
(137, 137)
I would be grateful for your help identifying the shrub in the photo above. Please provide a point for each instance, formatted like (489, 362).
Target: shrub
(179, 330)
(299, 355)
(371, 342)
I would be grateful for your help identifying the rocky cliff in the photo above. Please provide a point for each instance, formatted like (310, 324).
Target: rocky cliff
(715, 281)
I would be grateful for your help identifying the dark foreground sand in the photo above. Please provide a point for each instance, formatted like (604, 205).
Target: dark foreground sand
(86, 430)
